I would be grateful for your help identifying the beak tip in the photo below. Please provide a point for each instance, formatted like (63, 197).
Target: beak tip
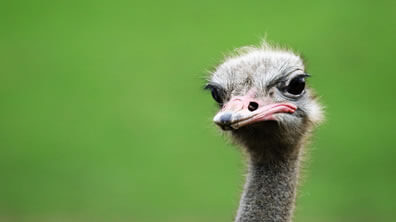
(224, 120)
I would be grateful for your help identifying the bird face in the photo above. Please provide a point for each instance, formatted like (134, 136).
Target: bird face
(263, 90)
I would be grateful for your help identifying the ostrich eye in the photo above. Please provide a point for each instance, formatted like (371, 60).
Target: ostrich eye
(216, 96)
(217, 93)
(296, 85)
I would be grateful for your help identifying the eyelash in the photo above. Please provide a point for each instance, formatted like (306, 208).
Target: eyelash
(284, 82)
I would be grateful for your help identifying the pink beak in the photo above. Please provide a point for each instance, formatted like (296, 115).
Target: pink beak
(244, 110)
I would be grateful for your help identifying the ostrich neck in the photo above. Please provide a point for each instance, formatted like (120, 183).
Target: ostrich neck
(270, 190)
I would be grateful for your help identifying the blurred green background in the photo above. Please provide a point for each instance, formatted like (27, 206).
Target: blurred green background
(103, 116)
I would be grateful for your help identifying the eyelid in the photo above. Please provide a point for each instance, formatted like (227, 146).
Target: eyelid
(207, 87)
(304, 75)
(299, 75)
(285, 79)
(212, 85)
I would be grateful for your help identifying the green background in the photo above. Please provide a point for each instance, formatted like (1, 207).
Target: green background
(103, 116)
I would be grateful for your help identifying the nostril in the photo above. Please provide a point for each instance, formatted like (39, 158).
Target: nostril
(253, 106)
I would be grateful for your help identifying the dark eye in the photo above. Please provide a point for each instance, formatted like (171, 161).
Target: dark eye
(216, 96)
(217, 93)
(296, 85)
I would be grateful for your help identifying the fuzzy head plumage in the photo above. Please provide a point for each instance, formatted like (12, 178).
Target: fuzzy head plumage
(264, 101)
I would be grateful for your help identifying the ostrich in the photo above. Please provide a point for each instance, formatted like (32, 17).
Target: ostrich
(267, 109)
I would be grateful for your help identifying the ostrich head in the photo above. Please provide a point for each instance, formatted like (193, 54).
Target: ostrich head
(264, 101)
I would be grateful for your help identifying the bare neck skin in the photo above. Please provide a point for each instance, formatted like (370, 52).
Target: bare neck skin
(270, 189)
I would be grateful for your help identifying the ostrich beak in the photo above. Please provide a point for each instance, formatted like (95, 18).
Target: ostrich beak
(244, 110)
